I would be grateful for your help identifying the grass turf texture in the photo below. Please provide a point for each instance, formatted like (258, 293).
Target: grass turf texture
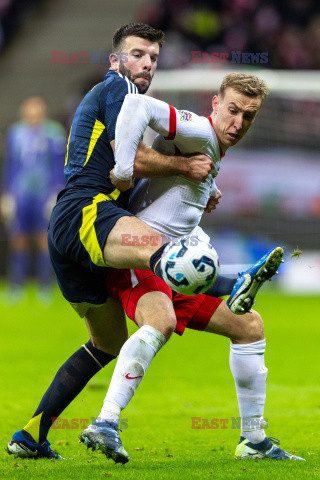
(189, 378)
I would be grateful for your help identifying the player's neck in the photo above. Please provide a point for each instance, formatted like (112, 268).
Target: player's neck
(223, 148)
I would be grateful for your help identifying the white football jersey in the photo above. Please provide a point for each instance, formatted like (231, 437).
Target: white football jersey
(174, 205)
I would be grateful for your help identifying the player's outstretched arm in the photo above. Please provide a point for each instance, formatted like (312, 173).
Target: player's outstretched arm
(136, 114)
(134, 117)
(150, 163)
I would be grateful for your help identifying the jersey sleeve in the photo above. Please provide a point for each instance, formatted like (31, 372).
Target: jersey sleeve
(114, 98)
(136, 114)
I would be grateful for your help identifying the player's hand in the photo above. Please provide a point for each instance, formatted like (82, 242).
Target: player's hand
(213, 202)
(121, 185)
(7, 207)
(198, 167)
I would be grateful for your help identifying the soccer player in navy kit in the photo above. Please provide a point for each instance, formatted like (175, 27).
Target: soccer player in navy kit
(88, 222)
(90, 218)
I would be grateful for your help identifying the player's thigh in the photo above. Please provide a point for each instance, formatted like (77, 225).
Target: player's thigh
(156, 309)
(130, 244)
(95, 232)
(107, 326)
(245, 328)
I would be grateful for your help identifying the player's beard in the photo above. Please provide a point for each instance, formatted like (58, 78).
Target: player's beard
(141, 88)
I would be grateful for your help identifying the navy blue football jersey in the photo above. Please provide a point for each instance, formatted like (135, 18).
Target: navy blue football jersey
(89, 156)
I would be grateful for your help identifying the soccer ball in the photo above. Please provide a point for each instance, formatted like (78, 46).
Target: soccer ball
(190, 269)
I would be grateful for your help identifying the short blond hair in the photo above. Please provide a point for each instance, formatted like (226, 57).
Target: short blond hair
(246, 84)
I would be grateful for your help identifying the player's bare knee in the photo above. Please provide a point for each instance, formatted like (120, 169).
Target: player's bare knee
(253, 329)
(155, 309)
(166, 324)
(111, 344)
(169, 327)
(112, 348)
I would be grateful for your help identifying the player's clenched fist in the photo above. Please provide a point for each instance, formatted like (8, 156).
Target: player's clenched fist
(213, 202)
(198, 167)
(121, 185)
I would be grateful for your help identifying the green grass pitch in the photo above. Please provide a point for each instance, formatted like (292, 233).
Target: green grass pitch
(189, 378)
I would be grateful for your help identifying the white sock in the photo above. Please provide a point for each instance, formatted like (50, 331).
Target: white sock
(250, 376)
(133, 362)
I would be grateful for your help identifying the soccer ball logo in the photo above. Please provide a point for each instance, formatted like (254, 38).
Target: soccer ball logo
(190, 269)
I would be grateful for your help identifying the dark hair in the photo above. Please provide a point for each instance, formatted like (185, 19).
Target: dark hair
(141, 30)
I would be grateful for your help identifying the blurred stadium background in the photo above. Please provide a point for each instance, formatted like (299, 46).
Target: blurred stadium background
(271, 180)
(271, 195)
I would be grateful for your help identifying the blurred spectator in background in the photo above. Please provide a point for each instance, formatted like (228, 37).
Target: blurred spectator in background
(32, 177)
(13, 14)
(288, 30)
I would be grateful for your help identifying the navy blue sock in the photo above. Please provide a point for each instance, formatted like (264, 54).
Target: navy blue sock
(70, 379)
(222, 286)
(155, 260)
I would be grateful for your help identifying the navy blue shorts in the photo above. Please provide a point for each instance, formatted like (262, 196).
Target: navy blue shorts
(77, 233)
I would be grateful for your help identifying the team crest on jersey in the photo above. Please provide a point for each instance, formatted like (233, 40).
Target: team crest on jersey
(185, 116)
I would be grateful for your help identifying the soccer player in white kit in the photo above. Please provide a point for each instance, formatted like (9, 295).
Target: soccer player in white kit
(176, 209)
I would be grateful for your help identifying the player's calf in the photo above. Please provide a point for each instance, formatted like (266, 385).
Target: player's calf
(251, 329)
(247, 328)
